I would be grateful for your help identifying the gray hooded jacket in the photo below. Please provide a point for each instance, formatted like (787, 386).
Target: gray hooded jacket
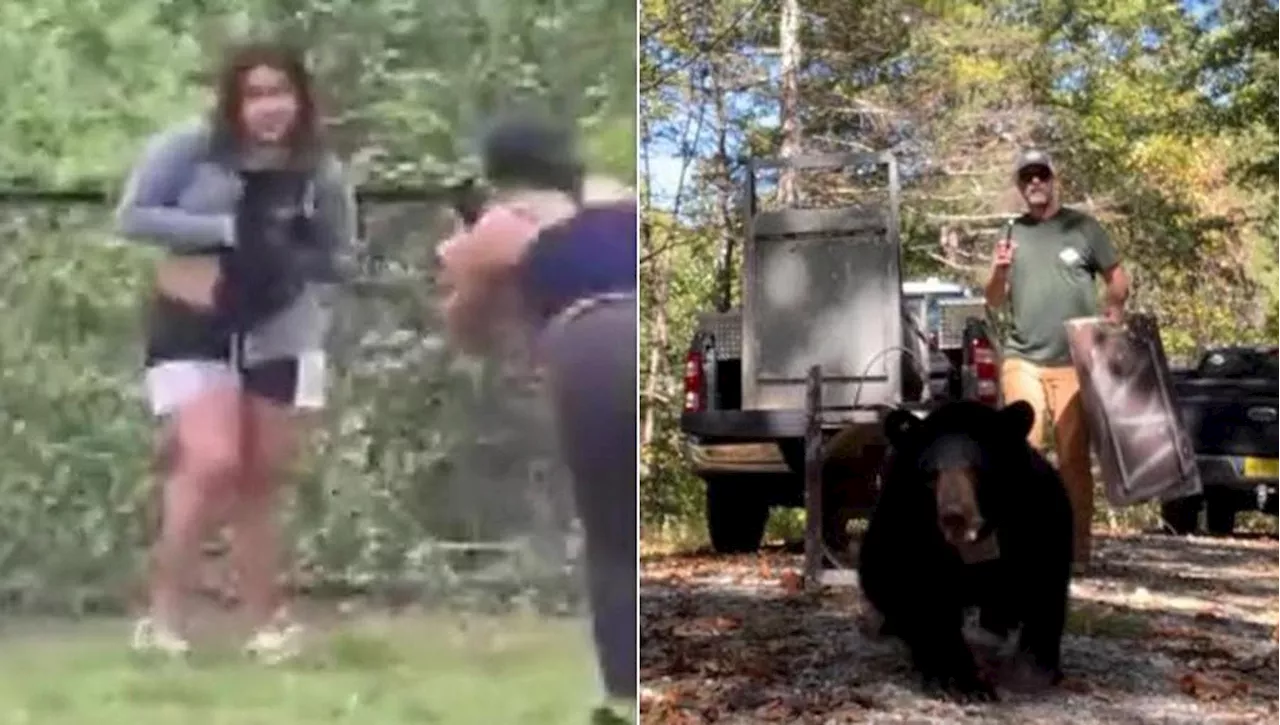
(182, 196)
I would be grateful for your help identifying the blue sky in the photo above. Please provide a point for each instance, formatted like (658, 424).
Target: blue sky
(665, 163)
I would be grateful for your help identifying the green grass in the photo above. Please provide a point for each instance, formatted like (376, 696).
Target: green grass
(427, 670)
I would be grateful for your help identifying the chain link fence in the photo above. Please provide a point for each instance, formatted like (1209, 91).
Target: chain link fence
(429, 477)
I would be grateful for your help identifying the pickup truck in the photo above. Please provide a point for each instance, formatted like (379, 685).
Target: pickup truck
(747, 477)
(822, 290)
(1228, 406)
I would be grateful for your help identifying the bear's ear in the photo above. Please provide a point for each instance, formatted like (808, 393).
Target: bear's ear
(1018, 417)
(898, 425)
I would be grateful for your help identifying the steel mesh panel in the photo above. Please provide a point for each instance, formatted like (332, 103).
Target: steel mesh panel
(726, 329)
(953, 315)
(825, 288)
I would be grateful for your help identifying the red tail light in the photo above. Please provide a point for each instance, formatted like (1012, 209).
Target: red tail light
(985, 371)
(694, 383)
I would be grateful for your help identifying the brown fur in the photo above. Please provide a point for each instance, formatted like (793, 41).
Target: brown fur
(957, 497)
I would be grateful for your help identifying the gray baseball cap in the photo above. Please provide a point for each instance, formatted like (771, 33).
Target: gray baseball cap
(1033, 157)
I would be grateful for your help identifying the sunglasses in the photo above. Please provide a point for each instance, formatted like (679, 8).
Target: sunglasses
(1034, 174)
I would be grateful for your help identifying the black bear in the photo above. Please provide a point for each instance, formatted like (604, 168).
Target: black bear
(969, 515)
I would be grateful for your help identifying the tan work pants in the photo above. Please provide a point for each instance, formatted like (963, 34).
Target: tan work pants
(1055, 391)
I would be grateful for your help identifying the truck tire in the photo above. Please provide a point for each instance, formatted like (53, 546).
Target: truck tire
(737, 512)
(1219, 514)
(1182, 515)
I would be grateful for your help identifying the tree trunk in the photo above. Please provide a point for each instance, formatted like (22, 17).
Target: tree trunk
(724, 195)
(653, 363)
(789, 43)
(660, 278)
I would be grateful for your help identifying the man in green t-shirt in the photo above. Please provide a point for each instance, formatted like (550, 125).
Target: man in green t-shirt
(1045, 269)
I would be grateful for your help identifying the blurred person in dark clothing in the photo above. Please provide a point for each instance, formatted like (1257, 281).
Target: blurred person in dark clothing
(552, 256)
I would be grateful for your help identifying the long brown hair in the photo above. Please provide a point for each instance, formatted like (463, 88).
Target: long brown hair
(305, 137)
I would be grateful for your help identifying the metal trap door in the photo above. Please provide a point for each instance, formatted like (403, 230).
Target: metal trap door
(1132, 414)
(823, 287)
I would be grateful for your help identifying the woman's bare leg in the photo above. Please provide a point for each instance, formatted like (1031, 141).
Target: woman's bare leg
(204, 461)
(256, 546)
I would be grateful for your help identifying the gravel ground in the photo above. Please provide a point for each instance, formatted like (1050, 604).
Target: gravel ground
(1178, 631)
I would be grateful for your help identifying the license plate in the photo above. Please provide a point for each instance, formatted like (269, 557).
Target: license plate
(1261, 467)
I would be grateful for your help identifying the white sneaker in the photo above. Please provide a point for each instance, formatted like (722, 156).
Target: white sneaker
(276, 642)
(152, 637)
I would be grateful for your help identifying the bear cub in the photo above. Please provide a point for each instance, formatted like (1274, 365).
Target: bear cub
(969, 515)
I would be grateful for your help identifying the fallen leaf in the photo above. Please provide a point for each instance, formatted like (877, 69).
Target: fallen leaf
(1076, 685)
(671, 716)
(792, 582)
(773, 711)
(713, 625)
(1178, 632)
(1207, 615)
(1211, 688)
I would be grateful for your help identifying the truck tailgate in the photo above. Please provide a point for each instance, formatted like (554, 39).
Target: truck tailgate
(767, 425)
(1229, 417)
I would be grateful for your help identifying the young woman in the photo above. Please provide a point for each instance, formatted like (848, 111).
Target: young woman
(558, 255)
(226, 387)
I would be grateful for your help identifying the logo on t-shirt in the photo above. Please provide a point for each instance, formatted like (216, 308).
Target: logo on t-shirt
(1070, 257)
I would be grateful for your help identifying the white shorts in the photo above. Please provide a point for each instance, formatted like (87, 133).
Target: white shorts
(297, 382)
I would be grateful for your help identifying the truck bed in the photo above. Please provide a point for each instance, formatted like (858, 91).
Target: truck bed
(1232, 423)
(1228, 417)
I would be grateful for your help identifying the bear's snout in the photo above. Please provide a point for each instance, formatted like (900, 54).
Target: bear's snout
(959, 519)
